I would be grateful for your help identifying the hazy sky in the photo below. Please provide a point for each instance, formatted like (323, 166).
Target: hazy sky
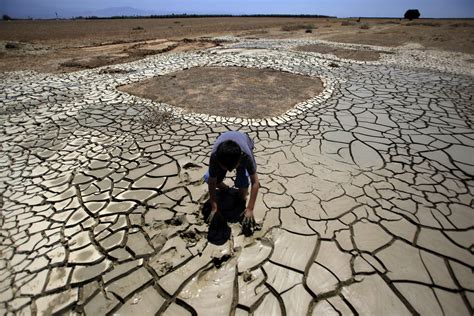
(339, 8)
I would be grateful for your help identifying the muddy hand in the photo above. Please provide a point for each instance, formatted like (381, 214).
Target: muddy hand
(248, 224)
(211, 217)
(249, 221)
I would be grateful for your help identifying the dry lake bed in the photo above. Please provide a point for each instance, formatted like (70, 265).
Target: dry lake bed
(367, 180)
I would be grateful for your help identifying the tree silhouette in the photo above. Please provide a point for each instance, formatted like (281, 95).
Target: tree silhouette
(412, 14)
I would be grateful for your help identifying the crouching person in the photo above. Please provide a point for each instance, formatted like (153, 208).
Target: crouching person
(234, 151)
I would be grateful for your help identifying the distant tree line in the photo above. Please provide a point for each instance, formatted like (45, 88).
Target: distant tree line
(180, 16)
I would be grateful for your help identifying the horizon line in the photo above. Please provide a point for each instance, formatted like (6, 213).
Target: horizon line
(192, 15)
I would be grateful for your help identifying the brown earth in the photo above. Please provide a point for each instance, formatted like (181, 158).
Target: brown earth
(361, 55)
(230, 91)
(70, 45)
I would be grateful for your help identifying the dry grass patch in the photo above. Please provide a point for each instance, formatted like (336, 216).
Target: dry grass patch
(423, 23)
(297, 27)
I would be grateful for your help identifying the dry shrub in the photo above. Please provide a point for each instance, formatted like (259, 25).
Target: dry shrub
(296, 27)
(138, 28)
(155, 117)
(461, 24)
(364, 26)
(253, 32)
(348, 23)
(72, 64)
(435, 24)
(12, 45)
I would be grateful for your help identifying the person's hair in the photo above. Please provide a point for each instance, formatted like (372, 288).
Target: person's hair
(228, 154)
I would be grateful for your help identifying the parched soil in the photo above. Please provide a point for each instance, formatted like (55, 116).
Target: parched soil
(445, 35)
(63, 60)
(64, 45)
(232, 91)
(360, 55)
(70, 45)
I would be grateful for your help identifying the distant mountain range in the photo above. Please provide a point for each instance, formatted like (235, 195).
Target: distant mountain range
(45, 12)
(119, 11)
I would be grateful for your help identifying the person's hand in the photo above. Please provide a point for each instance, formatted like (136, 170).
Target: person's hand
(211, 216)
(248, 214)
(248, 222)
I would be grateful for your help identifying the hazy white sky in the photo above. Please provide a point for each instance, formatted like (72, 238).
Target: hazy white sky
(340, 8)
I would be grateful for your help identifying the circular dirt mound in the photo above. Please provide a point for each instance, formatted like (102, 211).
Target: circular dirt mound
(229, 91)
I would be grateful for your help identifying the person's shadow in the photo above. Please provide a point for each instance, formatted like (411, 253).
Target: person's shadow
(231, 207)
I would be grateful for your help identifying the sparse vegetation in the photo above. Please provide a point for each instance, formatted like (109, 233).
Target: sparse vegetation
(297, 27)
(255, 32)
(102, 34)
(348, 23)
(389, 22)
(364, 26)
(72, 64)
(425, 23)
(461, 24)
(138, 28)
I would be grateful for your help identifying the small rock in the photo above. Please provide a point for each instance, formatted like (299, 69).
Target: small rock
(12, 45)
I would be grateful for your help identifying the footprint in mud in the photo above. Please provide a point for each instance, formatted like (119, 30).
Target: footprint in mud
(190, 172)
(191, 237)
(164, 263)
(171, 226)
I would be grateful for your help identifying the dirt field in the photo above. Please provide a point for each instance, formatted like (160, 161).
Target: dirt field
(341, 52)
(230, 91)
(64, 46)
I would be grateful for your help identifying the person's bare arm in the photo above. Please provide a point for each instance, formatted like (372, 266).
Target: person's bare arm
(255, 185)
(212, 184)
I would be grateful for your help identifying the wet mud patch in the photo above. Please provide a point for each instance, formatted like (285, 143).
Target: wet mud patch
(359, 55)
(229, 91)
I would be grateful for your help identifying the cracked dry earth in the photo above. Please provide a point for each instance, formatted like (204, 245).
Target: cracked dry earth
(366, 200)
